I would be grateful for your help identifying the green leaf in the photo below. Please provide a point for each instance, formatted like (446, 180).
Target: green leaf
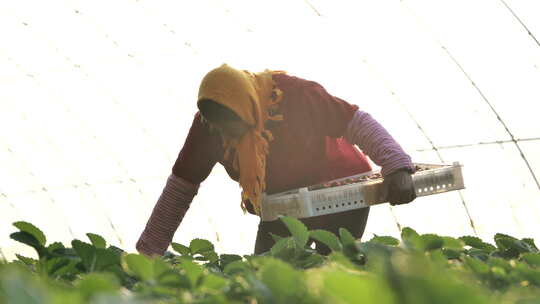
(55, 264)
(477, 243)
(166, 275)
(531, 244)
(213, 282)
(327, 238)
(298, 230)
(480, 254)
(451, 253)
(529, 301)
(453, 243)
(511, 247)
(385, 240)
(95, 259)
(140, 265)
(431, 242)
(498, 272)
(478, 267)
(284, 249)
(524, 247)
(65, 269)
(200, 245)
(503, 241)
(25, 260)
(116, 249)
(173, 279)
(33, 230)
(437, 256)
(193, 272)
(342, 259)
(87, 253)
(532, 259)
(64, 252)
(97, 240)
(106, 258)
(311, 261)
(276, 237)
(348, 242)
(287, 285)
(237, 267)
(412, 239)
(259, 289)
(501, 263)
(30, 240)
(408, 232)
(347, 287)
(55, 247)
(279, 246)
(16, 288)
(160, 267)
(226, 259)
(347, 239)
(533, 277)
(98, 283)
(529, 274)
(183, 250)
(210, 256)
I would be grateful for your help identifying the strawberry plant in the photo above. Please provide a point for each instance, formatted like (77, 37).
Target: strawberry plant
(418, 268)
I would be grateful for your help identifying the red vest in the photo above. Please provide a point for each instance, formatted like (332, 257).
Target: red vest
(308, 147)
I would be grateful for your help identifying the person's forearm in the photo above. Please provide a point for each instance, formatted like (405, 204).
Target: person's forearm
(373, 139)
(168, 212)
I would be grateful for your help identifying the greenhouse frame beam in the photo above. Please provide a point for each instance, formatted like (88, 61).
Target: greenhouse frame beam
(521, 22)
(480, 144)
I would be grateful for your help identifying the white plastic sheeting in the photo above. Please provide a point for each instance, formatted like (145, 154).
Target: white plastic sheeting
(96, 98)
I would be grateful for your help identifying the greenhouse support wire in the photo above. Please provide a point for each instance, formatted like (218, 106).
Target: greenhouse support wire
(521, 22)
(513, 139)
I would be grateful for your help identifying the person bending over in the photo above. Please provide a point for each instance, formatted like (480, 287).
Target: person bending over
(274, 132)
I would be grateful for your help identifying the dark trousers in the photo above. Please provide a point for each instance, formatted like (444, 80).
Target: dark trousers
(353, 220)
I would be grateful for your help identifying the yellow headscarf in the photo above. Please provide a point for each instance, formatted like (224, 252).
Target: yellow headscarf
(252, 97)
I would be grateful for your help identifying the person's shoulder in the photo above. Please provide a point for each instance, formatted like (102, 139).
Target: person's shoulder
(200, 127)
(292, 82)
(283, 80)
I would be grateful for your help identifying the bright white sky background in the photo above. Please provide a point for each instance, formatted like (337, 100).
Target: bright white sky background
(96, 99)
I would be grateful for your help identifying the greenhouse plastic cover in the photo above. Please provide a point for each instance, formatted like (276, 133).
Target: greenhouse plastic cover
(97, 97)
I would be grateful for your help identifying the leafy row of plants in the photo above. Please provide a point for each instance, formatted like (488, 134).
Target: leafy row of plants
(416, 269)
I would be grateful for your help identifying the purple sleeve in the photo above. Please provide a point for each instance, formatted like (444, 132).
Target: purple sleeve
(168, 212)
(373, 139)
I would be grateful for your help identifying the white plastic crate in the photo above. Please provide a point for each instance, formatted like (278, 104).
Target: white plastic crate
(357, 191)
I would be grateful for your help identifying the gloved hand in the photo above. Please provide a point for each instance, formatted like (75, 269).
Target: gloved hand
(399, 187)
